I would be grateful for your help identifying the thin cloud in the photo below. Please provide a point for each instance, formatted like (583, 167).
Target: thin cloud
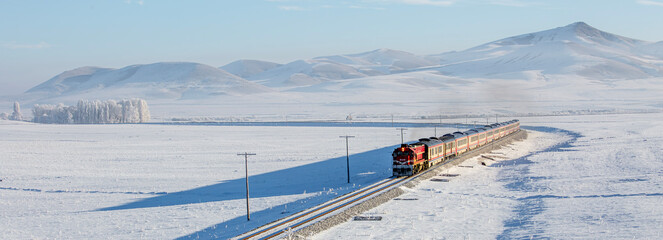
(26, 46)
(139, 2)
(292, 8)
(364, 7)
(445, 3)
(650, 3)
(512, 3)
(427, 2)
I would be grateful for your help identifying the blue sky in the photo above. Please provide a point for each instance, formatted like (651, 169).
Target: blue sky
(40, 39)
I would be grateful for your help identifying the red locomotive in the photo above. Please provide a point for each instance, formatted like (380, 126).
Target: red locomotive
(410, 159)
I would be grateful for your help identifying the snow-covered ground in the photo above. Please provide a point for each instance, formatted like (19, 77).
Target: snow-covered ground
(160, 181)
(582, 176)
(576, 177)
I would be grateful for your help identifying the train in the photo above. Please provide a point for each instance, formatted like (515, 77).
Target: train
(410, 159)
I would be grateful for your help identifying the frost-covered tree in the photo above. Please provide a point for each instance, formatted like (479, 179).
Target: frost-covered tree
(16, 115)
(94, 112)
(4, 116)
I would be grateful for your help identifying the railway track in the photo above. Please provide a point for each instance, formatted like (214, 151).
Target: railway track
(281, 228)
(304, 218)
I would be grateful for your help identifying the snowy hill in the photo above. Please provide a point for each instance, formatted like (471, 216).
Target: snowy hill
(248, 68)
(572, 63)
(160, 80)
(68, 81)
(305, 73)
(381, 61)
(338, 67)
(652, 49)
(577, 49)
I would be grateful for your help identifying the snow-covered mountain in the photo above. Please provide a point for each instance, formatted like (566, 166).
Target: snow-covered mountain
(306, 73)
(161, 80)
(577, 49)
(381, 61)
(68, 81)
(572, 62)
(323, 69)
(248, 68)
(652, 49)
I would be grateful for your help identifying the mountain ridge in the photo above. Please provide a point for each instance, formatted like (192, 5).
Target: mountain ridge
(577, 50)
(172, 77)
(573, 49)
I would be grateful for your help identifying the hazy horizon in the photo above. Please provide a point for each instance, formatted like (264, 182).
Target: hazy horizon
(42, 39)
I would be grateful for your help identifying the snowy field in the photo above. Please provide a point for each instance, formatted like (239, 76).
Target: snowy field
(160, 181)
(575, 177)
(587, 177)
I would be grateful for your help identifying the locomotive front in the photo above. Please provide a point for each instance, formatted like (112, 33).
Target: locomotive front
(406, 158)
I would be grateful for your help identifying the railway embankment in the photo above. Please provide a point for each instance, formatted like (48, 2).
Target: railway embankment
(371, 203)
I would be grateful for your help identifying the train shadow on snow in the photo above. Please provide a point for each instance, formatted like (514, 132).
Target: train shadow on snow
(317, 178)
(365, 168)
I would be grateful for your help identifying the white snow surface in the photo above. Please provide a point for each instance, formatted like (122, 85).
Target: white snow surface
(160, 181)
(595, 177)
(575, 177)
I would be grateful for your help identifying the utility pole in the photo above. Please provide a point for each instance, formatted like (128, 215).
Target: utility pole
(347, 154)
(392, 120)
(246, 169)
(402, 142)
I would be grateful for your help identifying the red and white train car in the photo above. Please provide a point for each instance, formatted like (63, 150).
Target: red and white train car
(410, 159)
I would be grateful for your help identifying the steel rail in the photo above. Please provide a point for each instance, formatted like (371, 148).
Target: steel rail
(305, 221)
(318, 208)
(390, 183)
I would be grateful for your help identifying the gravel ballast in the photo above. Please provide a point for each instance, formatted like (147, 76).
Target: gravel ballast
(369, 204)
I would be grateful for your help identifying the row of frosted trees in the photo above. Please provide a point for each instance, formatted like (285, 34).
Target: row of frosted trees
(94, 112)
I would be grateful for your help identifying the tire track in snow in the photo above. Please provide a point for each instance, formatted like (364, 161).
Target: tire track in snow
(518, 178)
(79, 191)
